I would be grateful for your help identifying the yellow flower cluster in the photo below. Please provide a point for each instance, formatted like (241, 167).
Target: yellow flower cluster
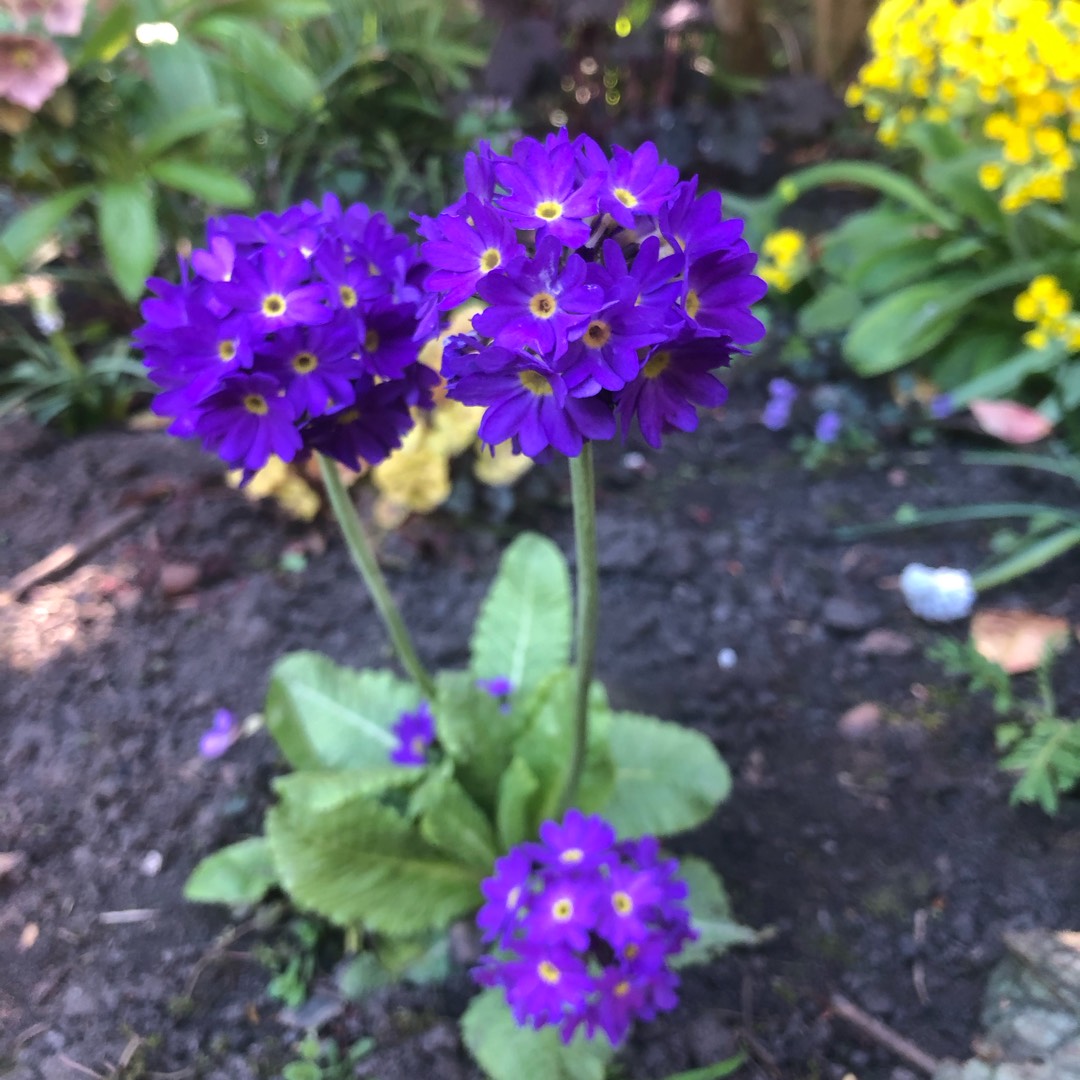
(1046, 304)
(784, 260)
(1009, 69)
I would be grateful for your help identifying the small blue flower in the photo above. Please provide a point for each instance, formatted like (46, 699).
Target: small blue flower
(828, 427)
(415, 732)
(222, 733)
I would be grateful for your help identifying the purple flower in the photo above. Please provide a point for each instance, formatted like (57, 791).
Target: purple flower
(415, 732)
(528, 401)
(247, 420)
(287, 321)
(584, 929)
(828, 426)
(500, 687)
(676, 378)
(719, 291)
(942, 406)
(222, 733)
(474, 242)
(777, 411)
(635, 184)
(544, 192)
(537, 303)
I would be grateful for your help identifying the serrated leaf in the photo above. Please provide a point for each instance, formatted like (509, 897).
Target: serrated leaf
(475, 732)
(452, 822)
(517, 789)
(23, 235)
(323, 789)
(546, 746)
(668, 778)
(127, 223)
(506, 1051)
(524, 628)
(330, 717)
(711, 916)
(362, 864)
(215, 186)
(241, 873)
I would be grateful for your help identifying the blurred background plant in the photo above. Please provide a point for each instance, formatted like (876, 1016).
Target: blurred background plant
(966, 268)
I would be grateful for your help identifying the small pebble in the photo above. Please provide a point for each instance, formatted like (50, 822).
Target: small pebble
(150, 866)
(633, 461)
(727, 659)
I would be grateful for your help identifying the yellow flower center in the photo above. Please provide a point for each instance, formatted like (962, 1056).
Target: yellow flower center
(598, 334)
(572, 855)
(490, 259)
(273, 305)
(657, 365)
(371, 341)
(549, 210)
(535, 383)
(513, 896)
(631, 951)
(256, 404)
(417, 745)
(348, 296)
(622, 903)
(226, 350)
(627, 198)
(543, 305)
(548, 972)
(562, 910)
(693, 304)
(304, 362)
(349, 416)
(622, 989)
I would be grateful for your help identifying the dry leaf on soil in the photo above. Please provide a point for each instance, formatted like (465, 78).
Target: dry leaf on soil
(1017, 640)
(1010, 422)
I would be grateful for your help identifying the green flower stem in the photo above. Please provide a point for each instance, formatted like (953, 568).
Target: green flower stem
(363, 556)
(59, 341)
(583, 490)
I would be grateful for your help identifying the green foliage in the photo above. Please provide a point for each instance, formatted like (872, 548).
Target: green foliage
(667, 778)
(1052, 531)
(523, 631)
(241, 873)
(711, 912)
(1039, 744)
(506, 1051)
(927, 277)
(325, 716)
(323, 1059)
(717, 1071)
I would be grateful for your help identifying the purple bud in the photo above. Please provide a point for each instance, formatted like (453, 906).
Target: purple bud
(942, 406)
(776, 414)
(828, 426)
(222, 733)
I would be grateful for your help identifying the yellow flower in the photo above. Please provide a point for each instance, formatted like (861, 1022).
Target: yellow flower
(991, 175)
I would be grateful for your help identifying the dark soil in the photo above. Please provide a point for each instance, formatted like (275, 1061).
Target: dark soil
(887, 858)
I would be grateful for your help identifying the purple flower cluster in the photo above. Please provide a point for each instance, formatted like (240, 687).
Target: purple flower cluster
(415, 732)
(584, 928)
(612, 292)
(293, 332)
(777, 411)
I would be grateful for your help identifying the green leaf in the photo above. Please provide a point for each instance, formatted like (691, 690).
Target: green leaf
(710, 912)
(182, 76)
(110, 35)
(668, 778)
(956, 181)
(832, 310)
(362, 864)
(452, 822)
(215, 186)
(717, 1071)
(186, 125)
(978, 353)
(29, 230)
(506, 1051)
(241, 873)
(523, 631)
(1030, 555)
(1049, 757)
(127, 223)
(330, 717)
(475, 732)
(513, 819)
(323, 789)
(546, 746)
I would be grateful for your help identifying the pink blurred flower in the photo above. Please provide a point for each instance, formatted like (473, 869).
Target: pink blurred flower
(62, 17)
(31, 69)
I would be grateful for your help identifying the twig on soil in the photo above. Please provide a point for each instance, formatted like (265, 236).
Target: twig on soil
(918, 970)
(129, 915)
(218, 951)
(67, 555)
(883, 1034)
(757, 1050)
(71, 1063)
(31, 1032)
